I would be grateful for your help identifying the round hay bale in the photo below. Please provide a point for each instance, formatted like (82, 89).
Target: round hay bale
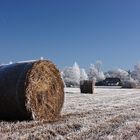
(31, 90)
(87, 86)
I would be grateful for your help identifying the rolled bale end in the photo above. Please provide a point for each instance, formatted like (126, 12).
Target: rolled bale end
(87, 86)
(44, 91)
(37, 91)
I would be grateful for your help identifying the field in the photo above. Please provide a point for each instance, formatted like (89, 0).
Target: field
(108, 114)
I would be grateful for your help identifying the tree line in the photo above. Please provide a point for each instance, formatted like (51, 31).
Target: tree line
(74, 74)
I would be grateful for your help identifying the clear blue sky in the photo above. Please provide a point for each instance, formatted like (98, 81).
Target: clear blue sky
(71, 30)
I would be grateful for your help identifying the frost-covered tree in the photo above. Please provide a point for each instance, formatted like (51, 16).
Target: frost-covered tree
(98, 65)
(136, 72)
(71, 75)
(129, 83)
(76, 72)
(95, 72)
(125, 77)
(119, 73)
(83, 75)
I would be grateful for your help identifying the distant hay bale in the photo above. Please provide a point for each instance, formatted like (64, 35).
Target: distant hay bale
(87, 86)
(30, 90)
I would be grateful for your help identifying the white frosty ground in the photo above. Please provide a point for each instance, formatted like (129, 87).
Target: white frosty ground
(109, 114)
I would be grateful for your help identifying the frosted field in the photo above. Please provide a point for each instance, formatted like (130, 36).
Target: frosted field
(109, 114)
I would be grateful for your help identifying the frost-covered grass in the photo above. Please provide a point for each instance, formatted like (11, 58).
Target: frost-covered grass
(109, 114)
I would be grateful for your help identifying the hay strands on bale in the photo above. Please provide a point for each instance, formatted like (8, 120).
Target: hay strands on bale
(31, 90)
(87, 86)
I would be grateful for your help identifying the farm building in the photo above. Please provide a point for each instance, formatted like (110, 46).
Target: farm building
(110, 82)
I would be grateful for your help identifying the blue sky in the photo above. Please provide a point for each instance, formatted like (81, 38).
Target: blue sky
(65, 31)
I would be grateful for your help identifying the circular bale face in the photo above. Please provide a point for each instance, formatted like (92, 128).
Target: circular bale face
(44, 91)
